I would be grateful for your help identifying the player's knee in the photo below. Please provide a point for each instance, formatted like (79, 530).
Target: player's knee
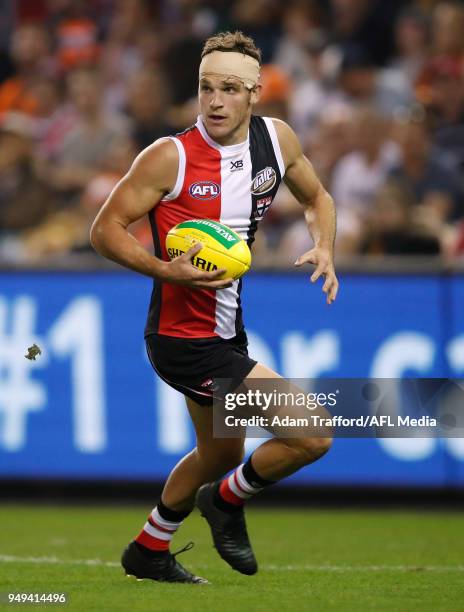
(322, 446)
(311, 449)
(317, 447)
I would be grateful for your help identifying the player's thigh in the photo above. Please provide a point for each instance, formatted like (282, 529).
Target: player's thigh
(220, 450)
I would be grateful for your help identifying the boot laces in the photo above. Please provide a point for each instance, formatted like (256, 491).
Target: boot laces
(187, 547)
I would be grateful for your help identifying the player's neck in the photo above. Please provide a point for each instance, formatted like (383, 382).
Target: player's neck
(237, 136)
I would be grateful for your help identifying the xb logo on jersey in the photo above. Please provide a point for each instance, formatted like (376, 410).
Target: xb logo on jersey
(264, 181)
(204, 190)
(236, 165)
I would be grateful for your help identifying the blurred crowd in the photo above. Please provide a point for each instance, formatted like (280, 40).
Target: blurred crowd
(374, 90)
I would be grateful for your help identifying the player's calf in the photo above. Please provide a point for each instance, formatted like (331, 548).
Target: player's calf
(220, 459)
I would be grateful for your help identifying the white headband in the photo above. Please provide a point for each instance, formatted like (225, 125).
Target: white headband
(231, 64)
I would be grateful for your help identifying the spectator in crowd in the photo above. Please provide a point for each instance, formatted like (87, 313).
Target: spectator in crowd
(330, 140)
(86, 146)
(117, 163)
(447, 28)
(30, 54)
(55, 117)
(359, 175)
(360, 82)
(412, 36)
(262, 21)
(313, 92)
(180, 66)
(393, 226)
(285, 230)
(68, 230)
(147, 100)
(435, 185)
(24, 198)
(367, 24)
(440, 85)
(302, 22)
(76, 39)
(445, 65)
(446, 109)
(134, 42)
(275, 93)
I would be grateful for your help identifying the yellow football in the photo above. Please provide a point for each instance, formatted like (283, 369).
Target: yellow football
(222, 247)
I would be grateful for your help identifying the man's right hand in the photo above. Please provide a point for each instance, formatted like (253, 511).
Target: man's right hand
(181, 271)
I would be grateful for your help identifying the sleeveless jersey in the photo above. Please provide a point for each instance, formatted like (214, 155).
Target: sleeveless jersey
(234, 185)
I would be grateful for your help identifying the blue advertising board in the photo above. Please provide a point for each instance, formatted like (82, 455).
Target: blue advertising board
(90, 407)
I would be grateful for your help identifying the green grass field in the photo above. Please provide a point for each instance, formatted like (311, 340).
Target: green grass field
(309, 560)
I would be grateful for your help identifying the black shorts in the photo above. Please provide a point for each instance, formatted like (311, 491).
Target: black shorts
(190, 365)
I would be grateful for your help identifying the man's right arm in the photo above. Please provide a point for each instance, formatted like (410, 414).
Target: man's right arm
(150, 178)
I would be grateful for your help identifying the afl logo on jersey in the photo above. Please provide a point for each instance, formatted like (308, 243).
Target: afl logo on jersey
(264, 181)
(204, 190)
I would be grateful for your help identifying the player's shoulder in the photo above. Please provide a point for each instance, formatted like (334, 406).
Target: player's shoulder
(157, 165)
(280, 126)
(163, 148)
(288, 140)
(161, 154)
(285, 133)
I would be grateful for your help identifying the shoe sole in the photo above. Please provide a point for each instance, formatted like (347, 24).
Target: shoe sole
(133, 577)
(137, 579)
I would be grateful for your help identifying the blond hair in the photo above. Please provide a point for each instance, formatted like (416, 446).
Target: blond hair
(232, 41)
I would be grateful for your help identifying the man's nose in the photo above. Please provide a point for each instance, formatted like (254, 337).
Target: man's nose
(216, 100)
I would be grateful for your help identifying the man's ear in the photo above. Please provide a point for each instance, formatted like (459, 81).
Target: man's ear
(255, 94)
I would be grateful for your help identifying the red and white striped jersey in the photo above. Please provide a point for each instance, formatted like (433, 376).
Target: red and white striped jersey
(232, 184)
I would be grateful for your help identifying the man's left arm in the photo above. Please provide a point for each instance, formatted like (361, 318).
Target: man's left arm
(318, 207)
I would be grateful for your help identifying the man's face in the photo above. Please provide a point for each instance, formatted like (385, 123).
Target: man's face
(412, 138)
(84, 91)
(225, 105)
(13, 149)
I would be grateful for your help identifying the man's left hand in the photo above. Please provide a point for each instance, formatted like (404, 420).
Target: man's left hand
(323, 260)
